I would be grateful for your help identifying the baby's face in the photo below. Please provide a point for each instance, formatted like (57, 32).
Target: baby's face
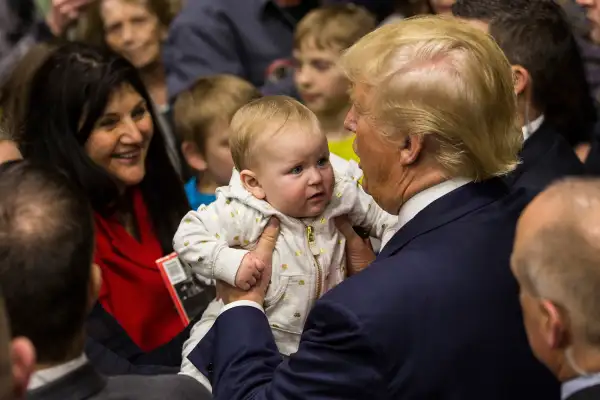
(295, 173)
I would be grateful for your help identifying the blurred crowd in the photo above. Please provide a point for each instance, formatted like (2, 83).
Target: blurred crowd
(371, 199)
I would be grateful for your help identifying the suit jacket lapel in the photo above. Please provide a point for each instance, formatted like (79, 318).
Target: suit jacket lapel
(450, 207)
(82, 383)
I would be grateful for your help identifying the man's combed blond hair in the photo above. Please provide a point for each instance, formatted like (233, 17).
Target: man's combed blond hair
(211, 100)
(261, 119)
(441, 77)
(334, 27)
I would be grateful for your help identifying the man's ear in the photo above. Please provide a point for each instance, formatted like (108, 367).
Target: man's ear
(411, 149)
(521, 79)
(555, 325)
(251, 183)
(23, 365)
(94, 285)
(193, 156)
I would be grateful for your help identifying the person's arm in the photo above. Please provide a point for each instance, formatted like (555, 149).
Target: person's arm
(199, 44)
(335, 360)
(205, 238)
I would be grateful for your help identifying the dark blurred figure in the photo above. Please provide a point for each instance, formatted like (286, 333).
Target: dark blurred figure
(49, 283)
(552, 94)
(593, 15)
(21, 28)
(252, 39)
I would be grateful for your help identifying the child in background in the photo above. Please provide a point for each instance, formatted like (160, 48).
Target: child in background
(282, 170)
(320, 38)
(202, 116)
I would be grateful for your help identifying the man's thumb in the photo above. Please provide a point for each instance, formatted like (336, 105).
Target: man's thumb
(267, 240)
(345, 227)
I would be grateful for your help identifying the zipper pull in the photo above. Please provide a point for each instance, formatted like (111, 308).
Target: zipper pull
(312, 243)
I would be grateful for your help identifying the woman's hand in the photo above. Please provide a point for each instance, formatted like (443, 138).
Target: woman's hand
(264, 252)
(63, 13)
(359, 253)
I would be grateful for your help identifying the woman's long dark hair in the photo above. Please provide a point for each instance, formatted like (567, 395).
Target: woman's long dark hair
(68, 93)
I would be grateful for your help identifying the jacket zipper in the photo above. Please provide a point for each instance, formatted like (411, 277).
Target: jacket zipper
(312, 243)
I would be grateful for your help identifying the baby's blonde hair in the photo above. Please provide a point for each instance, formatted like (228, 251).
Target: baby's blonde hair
(261, 118)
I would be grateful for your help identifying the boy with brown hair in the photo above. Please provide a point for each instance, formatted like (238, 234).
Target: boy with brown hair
(320, 38)
(202, 115)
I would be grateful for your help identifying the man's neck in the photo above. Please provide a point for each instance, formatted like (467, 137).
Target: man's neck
(417, 180)
(527, 114)
(154, 78)
(586, 358)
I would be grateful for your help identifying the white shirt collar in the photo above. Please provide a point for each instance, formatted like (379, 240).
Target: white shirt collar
(532, 126)
(419, 201)
(45, 376)
(573, 386)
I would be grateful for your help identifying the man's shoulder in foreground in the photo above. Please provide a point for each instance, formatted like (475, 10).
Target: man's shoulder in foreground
(546, 157)
(159, 387)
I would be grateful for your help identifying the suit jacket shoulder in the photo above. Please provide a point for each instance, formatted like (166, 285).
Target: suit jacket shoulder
(85, 383)
(437, 294)
(158, 387)
(546, 157)
(590, 393)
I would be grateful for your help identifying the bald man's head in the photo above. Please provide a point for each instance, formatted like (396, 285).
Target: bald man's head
(556, 259)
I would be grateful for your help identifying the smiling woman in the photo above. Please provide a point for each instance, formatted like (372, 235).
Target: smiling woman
(136, 29)
(90, 117)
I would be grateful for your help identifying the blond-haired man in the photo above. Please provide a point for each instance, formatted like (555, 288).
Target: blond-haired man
(436, 315)
(556, 260)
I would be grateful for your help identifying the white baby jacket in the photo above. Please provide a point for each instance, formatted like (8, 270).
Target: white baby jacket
(309, 254)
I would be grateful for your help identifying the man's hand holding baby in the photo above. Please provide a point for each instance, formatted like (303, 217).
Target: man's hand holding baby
(264, 252)
(249, 272)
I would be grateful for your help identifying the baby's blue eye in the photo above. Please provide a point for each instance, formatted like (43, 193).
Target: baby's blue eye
(296, 170)
(323, 162)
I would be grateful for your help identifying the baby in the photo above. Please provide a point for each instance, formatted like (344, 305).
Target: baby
(282, 170)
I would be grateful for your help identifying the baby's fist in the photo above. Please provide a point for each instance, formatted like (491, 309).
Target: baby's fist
(249, 272)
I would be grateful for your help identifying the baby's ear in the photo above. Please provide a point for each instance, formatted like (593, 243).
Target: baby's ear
(251, 183)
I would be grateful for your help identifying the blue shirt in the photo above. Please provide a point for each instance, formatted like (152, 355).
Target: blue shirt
(196, 198)
(239, 37)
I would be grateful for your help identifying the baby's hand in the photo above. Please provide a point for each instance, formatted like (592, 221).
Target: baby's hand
(249, 272)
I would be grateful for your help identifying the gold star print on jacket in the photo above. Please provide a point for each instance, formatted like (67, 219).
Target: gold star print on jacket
(309, 254)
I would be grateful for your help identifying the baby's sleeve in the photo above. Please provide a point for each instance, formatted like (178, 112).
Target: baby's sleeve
(204, 238)
(364, 211)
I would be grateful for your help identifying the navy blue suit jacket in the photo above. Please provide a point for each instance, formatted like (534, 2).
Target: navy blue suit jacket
(546, 157)
(436, 316)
